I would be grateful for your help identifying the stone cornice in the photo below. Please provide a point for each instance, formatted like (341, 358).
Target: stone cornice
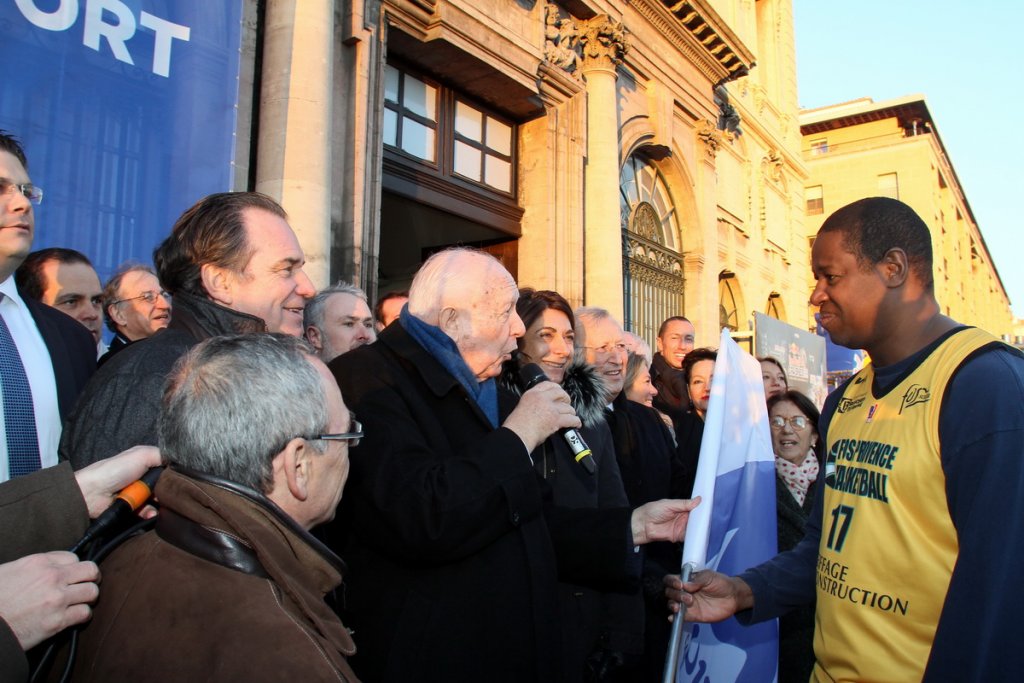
(697, 31)
(412, 16)
(555, 85)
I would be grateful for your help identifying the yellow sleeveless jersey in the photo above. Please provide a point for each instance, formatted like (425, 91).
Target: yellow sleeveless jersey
(888, 545)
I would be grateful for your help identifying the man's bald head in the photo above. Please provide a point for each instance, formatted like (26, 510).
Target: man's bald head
(450, 278)
(470, 296)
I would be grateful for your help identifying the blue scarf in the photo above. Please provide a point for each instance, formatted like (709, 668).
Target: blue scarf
(442, 347)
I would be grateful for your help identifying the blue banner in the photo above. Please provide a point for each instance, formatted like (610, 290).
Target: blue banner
(127, 111)
(842, 362)
(734, 527)
(801, 353)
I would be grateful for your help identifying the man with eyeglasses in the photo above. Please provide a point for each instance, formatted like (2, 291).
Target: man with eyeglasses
(46, 356)
(650, 464)
(229, 585)
(135, 306)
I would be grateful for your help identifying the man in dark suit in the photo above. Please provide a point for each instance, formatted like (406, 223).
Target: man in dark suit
(48, 353)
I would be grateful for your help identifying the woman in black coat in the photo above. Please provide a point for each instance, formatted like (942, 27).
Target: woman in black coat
(793, 419)
(595, 625)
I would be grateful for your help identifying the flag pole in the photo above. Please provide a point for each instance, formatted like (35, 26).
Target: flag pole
(675, 649)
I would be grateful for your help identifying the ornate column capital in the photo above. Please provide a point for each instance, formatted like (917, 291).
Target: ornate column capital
(604, 43)
(712, 137)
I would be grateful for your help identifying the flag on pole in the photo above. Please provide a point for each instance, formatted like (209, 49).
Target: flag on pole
(733, 528)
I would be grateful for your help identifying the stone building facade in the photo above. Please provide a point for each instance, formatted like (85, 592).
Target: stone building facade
(641, 155)
(864, 148)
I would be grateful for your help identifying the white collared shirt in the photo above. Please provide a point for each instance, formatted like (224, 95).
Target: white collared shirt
(35, 357)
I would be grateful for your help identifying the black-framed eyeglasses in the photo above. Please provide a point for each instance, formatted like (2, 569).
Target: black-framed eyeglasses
(797, 422)
(33, 193)
(149, 297)
(352, 437)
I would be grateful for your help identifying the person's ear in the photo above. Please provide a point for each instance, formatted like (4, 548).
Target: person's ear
(314, 338)
(291, 467)
(117, 315)
(217, 282)
(895, 267)
(450, 322)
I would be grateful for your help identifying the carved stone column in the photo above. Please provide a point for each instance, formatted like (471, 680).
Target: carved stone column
(604, 44)
(293, 162)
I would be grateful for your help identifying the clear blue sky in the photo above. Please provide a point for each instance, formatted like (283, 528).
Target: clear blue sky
(965, 58)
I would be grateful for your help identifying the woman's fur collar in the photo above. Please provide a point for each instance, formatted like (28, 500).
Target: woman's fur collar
(585, 388)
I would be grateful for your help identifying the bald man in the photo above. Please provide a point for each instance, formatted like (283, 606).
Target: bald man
(454, 549)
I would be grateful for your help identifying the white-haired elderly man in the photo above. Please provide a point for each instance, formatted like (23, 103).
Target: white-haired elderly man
(337, 320)
(651, 465)
(453, 546)
(229, 585)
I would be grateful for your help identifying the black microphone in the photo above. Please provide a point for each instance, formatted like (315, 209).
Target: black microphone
(532, 375)
(130, 499)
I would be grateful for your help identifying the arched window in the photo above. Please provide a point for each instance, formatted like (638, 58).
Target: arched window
(774, 307)
(652, 264)
(728, 313)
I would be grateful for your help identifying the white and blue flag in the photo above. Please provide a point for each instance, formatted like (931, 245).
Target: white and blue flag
(733, 528)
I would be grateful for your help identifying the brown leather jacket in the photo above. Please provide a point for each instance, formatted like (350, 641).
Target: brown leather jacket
(225, 588)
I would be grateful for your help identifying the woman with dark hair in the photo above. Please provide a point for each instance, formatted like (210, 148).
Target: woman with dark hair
(640, 389)
(799, 467)
(598, 629)
(638, 386)
(774, 377)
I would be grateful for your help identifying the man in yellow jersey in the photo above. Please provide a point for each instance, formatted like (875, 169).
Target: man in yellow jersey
(914, 552)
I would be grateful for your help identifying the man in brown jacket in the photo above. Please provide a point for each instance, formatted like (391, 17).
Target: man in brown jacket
(229, 585)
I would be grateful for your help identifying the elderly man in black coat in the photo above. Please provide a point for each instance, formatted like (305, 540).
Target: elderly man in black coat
(453, 545)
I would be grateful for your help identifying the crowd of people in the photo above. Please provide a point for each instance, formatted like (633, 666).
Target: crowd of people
(470, 480)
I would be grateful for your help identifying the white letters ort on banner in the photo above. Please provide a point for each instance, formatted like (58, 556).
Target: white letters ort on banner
(114, 22)
(127, 111)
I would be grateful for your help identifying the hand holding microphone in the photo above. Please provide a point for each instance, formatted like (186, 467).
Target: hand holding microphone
(101, 481)
(116, 487)
(566, 420)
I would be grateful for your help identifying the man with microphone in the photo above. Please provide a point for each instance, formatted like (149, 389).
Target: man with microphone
(454, 548)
